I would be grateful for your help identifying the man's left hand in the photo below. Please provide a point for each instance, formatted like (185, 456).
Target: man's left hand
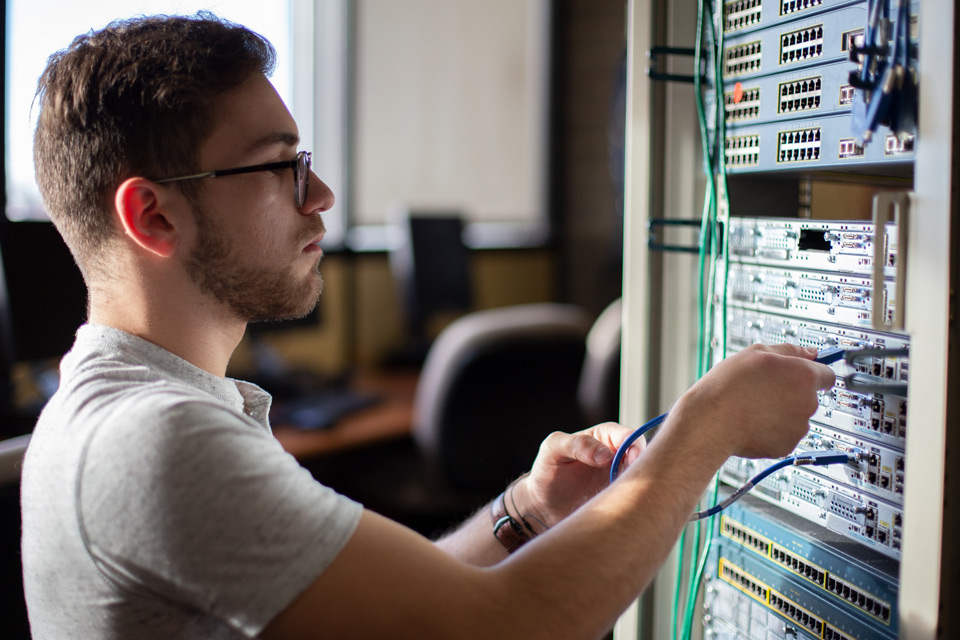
(569, 470)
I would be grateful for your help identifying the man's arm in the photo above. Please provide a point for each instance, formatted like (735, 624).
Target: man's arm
(569, 470)
(574, 580)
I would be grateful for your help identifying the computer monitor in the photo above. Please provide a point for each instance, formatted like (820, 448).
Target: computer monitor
(42, 303)
(431, 266)
(43, 299)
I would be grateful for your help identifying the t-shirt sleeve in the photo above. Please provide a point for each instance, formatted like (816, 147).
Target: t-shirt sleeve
(202, 507)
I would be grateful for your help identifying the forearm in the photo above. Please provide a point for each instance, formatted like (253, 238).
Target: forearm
(473, 542)
(613, 545)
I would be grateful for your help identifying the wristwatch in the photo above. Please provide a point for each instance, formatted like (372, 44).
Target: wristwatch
(506, 529)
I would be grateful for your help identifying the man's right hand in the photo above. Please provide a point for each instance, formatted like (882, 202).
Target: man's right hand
(756, 403)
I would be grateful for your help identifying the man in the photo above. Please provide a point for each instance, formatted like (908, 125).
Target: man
(155, 502)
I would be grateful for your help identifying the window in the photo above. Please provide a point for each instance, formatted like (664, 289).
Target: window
(37, 29)
(451, 114)
(426, 104)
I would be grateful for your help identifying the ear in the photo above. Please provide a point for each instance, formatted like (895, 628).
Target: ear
(143, 212)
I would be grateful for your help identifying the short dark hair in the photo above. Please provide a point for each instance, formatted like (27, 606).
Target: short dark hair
(137, 97)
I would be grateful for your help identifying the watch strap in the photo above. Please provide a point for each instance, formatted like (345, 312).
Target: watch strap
(506, 529)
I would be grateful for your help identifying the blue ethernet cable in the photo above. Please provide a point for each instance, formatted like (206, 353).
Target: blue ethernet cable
(622, 449)
(810, 458)
(818, 458)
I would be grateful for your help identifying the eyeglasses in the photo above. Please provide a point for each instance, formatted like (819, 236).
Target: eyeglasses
(301, 173)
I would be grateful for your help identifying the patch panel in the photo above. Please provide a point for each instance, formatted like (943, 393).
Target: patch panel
(788, 7)
(742, 151)
(750, 15)
(873, 522)
(798, 145)
(811, 145)
(729, 614)
(829, 94)
(799, 95)
(796, 602)
(742, 104)
(742, 58)
(808, 40)
(802, 45)
(810, 244)
(741, 14)
(814, 295)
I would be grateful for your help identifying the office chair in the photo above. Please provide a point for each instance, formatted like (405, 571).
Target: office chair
(495, 383)
(599, 387)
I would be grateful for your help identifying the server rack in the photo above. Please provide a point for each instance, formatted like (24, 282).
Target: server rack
(792, 114)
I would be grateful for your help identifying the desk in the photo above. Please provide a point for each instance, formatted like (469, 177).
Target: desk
(390, 419)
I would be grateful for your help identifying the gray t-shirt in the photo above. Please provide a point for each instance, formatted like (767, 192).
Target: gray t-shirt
(157, 503)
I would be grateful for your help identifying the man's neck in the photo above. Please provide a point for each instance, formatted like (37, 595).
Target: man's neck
(199, 331)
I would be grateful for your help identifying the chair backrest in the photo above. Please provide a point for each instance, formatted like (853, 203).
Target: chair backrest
(494, 385)
(599, 391)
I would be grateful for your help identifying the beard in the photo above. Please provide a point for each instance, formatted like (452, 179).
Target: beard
(252, 293)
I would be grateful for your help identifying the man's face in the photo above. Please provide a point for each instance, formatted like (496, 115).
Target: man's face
(254, 250)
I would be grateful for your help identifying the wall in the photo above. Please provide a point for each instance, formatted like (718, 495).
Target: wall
(589, 50)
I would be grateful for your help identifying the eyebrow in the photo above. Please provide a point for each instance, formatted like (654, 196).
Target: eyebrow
(285, 138)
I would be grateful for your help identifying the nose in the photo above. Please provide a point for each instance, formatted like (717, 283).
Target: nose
(319, 196)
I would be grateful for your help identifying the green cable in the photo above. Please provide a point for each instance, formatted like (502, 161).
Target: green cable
(724, 215)
(709, 206)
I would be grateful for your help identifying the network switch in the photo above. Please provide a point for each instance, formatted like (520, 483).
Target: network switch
(811, 39)
(795, 601)
(813, 295)
(825, 561)
(873, 522)
(818, 144)
(747, 15)
(880, 417)
(730, 614)
(879, 472)
(810, 244)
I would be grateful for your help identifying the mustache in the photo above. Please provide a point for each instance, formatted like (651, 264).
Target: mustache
(316, 228)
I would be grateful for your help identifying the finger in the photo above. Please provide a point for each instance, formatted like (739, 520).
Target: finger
(579, 447)
(796, 351)
(635, 450)
(610, 433)
(825, 376)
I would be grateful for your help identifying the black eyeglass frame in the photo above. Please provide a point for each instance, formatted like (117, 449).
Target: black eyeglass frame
(301, 173)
